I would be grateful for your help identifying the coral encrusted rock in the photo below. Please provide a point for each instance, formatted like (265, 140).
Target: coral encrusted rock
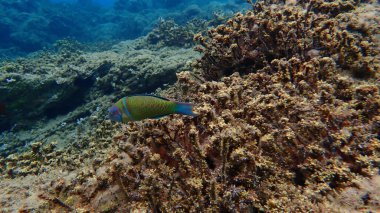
(248, 42)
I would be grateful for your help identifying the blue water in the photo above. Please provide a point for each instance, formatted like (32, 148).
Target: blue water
(106, 4)
(27, 26)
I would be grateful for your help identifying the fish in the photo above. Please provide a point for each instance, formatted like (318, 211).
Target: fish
(140, 107)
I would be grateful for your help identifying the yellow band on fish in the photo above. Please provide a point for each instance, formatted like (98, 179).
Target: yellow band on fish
(126, 109)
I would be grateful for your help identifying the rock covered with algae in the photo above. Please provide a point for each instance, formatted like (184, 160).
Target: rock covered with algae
(342, 30)
(52, 90)
(260, 142)
(289, 127)
(257, 144)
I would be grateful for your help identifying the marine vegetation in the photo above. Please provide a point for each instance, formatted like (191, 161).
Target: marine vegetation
(43, 92)
(276, 30)
(169, 33)
(287, 97)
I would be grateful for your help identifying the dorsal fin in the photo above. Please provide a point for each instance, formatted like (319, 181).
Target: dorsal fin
(151, 96)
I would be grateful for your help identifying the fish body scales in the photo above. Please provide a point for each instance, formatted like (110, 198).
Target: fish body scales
(142, 107)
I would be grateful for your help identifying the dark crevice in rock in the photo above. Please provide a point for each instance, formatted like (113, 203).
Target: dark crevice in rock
(72, 100)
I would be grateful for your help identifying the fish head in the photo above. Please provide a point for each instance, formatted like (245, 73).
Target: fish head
(114, 113)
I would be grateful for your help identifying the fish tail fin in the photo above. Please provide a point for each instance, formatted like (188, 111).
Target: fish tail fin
(185, 109)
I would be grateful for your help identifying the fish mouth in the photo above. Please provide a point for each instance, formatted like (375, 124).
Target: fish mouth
(115, 118)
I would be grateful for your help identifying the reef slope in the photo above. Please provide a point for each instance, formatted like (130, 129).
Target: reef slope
(280, 127)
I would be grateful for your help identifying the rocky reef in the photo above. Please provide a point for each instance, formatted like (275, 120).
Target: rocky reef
(78, 83)
(170, 33)
(287, 97)
(250, 42)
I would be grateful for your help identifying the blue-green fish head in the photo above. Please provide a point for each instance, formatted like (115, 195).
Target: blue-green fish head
(114, 113)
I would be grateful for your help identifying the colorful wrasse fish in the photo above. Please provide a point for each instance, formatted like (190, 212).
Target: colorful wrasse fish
(139, 107)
